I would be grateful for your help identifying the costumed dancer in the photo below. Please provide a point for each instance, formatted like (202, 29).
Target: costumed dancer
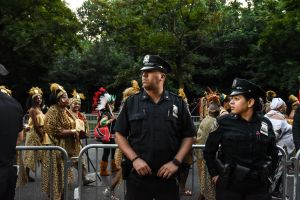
(203, 106)
(269, 96)
(187, 161)
(35, 135)
(109, 191)
(62, 132)
(293, 104)
(207, 188)
(103, 103)
(81, 125)
(284, 137)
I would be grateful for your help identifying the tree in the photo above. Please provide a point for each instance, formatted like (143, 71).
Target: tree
(32, 34)
(276, 55)
(172, 29)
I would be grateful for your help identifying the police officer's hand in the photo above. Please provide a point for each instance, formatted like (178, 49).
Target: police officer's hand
(215, 179)
(167, 170)
(141, 167)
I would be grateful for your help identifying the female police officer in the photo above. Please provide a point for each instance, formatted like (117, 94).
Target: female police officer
(248, 153)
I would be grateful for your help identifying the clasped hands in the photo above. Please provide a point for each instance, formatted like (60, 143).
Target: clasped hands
(143, 169)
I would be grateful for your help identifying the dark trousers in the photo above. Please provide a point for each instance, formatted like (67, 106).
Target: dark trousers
(242, 190)
(8, 179)
(151, 187)
(107, 151)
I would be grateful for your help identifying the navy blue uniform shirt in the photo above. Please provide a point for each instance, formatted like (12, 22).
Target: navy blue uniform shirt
(247, 143)
(155, 131)
(11, 123)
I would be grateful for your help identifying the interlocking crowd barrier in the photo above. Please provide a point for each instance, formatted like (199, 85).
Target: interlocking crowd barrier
(195, 147)
(49, 150)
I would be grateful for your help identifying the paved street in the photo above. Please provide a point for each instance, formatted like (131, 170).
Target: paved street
(32, 191)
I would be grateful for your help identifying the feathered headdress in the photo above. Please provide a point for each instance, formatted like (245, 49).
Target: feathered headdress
(212, 96)
(131, 90)
(57, 89)
(182, 94)
(5, 90)
(76, 97)
(35, 91)
(101, 98)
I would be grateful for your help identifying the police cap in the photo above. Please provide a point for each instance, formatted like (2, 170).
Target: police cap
(3, 71)
(155, 62)
(243, 86)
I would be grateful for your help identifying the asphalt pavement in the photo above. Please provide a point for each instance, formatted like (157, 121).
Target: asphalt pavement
(32, 190)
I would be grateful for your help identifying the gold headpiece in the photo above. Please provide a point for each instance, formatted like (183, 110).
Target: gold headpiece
(182, 94)
(57, 89)
(293, 98)
(76, 97)
(213, 96)
(131, 90)
(5, 90)
(35, 91)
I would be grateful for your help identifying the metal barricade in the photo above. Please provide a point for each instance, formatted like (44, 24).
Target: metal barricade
(194, 147)
(78, 191)
(284, 173)
(196, 120)
(92, 121)
(296, 188)
(66, 165)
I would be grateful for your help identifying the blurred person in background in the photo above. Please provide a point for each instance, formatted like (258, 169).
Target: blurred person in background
(11, 124)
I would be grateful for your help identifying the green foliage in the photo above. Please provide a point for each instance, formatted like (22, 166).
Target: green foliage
(207, 43)
(32, 34)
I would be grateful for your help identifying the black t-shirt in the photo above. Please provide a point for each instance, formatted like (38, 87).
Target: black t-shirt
(155, 131)
(11, 124)
(247, 143)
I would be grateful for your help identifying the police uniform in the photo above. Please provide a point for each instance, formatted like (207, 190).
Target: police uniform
(10, 125)
(155, 132)
(296, 128)
(248, 154)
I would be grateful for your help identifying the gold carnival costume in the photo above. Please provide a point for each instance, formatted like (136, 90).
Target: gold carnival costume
(57, 121)
(206, 126)
(34, 136)
(82, 127)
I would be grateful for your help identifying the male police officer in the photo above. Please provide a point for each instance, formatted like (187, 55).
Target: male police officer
(10, 125)
(248, 151)
(155, 132)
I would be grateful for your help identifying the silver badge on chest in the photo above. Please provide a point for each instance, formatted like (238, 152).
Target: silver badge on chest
(264, 128)
(175, 111)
